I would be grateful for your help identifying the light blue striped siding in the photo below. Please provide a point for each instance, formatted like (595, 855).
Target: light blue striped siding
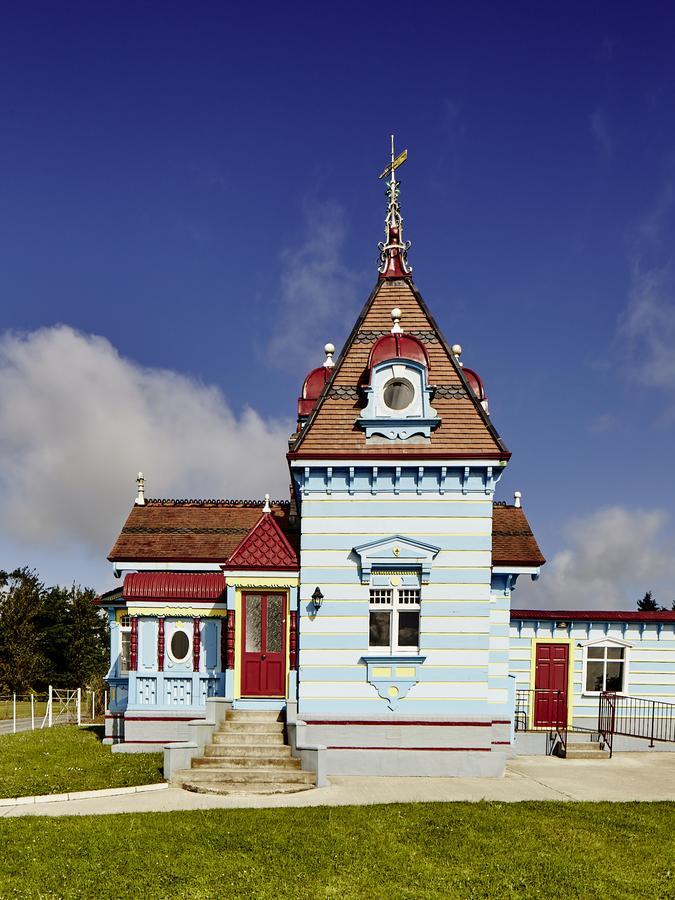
(410, 526)
(461, 624)
(650, 659)
(345, 542)
(315, 575)
(357, 673)
(395, 508)
(353, 708)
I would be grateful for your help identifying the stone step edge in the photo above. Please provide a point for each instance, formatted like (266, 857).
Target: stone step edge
(259, 789)
(240, 771)
(83, 795)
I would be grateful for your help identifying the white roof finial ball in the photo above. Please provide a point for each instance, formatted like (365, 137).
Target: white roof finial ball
(329, 350)
(396, 317)
(456, 350)
(517, 497)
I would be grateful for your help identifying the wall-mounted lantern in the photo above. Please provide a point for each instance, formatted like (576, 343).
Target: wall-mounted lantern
(317, 598)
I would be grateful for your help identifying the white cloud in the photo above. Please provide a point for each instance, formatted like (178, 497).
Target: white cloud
(612, 557)
(77, 421)
(648, 324)
(318, 293)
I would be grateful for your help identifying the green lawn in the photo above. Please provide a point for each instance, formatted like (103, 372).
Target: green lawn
(489, 850)
(67, 758)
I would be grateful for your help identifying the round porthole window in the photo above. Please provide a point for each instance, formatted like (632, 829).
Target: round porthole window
(180, 645)
(398, 393)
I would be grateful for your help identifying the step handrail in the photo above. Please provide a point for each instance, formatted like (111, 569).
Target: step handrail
(638, 717)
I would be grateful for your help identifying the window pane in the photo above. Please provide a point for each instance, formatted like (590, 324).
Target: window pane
(596, 652)
(614, 676)
(408, 628)
(274, 621)
(380, 623)
(408, 596)
(398, 393)
(253, 623)
(125, 656)
(380, 596)
(180, 645)
(594, 676)
(615, 653)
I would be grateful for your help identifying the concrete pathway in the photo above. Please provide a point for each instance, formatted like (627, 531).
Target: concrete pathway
(628, 776)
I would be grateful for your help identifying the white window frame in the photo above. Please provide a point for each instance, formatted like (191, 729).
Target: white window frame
(394, 606)
(604, 643)
(124, 629)
(173, 628)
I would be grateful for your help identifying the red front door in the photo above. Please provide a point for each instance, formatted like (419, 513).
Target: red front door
(550, 682)
(264, 646)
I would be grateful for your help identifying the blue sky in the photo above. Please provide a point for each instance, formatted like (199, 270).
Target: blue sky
(189, 209)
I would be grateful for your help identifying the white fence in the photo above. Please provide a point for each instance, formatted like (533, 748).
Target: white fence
(59, 706)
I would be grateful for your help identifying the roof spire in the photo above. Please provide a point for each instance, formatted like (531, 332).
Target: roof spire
(394, 251)
(140, 498)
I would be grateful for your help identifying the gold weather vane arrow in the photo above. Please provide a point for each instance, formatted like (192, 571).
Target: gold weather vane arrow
(395, 161)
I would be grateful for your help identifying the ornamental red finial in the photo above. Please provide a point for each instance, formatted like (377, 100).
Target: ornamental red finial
(394, 251)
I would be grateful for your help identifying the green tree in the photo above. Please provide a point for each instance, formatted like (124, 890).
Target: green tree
(648, 604)
(87, 653)
(23, 664)
(49, 635)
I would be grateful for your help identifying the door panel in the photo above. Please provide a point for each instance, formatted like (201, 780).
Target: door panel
(550, 682)
(264, 646)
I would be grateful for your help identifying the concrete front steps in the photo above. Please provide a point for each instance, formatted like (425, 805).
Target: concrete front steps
(585, 749)
(247, 754)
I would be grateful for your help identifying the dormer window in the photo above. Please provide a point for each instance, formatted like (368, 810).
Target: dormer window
(398, 392)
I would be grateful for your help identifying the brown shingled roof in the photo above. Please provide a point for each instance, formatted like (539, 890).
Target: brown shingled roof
(332, 428)
(512, 540)
(191, 530)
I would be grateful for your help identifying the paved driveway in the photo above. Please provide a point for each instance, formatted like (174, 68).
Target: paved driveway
(7, 726)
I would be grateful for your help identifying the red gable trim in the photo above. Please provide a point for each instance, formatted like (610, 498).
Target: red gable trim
(264, 547)
(578, 615)
(174, 586)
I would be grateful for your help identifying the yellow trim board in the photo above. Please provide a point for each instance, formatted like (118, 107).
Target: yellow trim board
(192, 612)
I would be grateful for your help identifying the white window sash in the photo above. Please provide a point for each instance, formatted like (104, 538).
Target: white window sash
(394, 607)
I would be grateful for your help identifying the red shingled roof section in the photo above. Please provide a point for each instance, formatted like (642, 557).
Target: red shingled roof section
(191, 530)
(594, 615)
(174, 586)
(333, 431)
(512, 540)
(265, 547)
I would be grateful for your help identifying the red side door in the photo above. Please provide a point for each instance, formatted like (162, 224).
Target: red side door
(264, 645)
(550, 682)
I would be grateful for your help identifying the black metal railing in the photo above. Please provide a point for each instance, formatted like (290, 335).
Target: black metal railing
(543, 710)
(652, 720)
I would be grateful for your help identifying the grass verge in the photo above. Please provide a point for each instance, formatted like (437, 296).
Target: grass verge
(67, 758)
(431, 850)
